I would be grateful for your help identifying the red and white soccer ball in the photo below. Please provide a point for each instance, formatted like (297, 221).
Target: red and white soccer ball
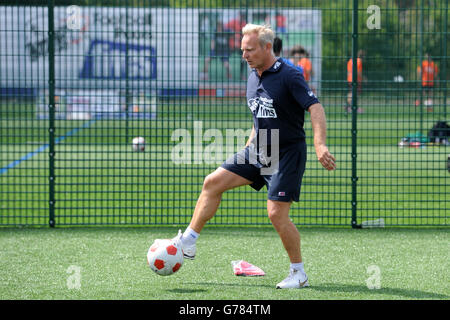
(165, 257)
(138, 144)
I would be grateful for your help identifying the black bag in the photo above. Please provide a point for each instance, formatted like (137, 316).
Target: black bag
(440, 132)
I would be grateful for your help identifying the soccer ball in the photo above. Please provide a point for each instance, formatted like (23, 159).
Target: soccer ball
(165, 257)
(138, 144)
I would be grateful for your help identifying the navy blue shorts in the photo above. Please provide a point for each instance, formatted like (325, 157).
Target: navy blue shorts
(284, 184)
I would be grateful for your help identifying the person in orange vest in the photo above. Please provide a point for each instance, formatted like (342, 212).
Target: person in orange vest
(427, 72)
(294, 55)
(300, 58)
(359, 80)
(306, 64)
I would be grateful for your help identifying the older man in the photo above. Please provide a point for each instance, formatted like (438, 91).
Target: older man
(275, 154)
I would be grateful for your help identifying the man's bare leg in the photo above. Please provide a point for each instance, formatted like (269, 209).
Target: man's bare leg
(290, 237)
(214, 185)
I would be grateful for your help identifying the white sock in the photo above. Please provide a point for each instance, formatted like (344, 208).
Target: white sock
(298, 266)
(189, 236)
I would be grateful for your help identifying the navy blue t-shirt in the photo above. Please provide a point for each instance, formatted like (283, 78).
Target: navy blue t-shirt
(278, 100)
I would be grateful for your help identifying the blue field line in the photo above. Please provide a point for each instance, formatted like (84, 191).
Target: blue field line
(44, 147)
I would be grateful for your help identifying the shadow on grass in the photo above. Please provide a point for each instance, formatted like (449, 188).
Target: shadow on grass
(333, 288)
(182, 291)
(406, 293)
(237, 285)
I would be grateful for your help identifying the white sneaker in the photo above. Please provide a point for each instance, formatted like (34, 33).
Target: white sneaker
(177, 239)
(295, 280)
(188, 250)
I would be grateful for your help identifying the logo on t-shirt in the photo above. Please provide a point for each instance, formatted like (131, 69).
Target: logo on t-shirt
(263, 107)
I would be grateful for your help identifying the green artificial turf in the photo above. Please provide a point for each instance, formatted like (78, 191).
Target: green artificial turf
(41, 263)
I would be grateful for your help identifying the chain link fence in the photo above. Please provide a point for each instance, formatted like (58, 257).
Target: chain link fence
(80, 80)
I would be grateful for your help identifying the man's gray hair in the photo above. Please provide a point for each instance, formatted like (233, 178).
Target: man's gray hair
(265, 33)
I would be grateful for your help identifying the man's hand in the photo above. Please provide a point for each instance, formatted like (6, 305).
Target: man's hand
(320, 132)
(324, 156)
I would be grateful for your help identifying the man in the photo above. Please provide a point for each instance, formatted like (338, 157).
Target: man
(281, 22)
(234, 27)
(277, 48)
(300, 58)
(219, 49)
(427, 71)
(278, 96)
(359, 79)
(306, 64)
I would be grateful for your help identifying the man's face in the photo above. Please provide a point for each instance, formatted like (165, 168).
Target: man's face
(252, 52)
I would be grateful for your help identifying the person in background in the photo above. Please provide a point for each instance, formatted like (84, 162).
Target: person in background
(306, 64)
(278, 48)
(219, 49)
(281, 23)
(427, 72)
(300, 57)
(359, 67)
(234, 28)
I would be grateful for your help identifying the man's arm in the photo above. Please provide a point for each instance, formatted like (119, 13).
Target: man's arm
(319, 126)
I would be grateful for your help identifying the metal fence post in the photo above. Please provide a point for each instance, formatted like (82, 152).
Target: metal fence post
(127, 80)
(421, 55)
(354, 111)
(51, 106)
(444, 62)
